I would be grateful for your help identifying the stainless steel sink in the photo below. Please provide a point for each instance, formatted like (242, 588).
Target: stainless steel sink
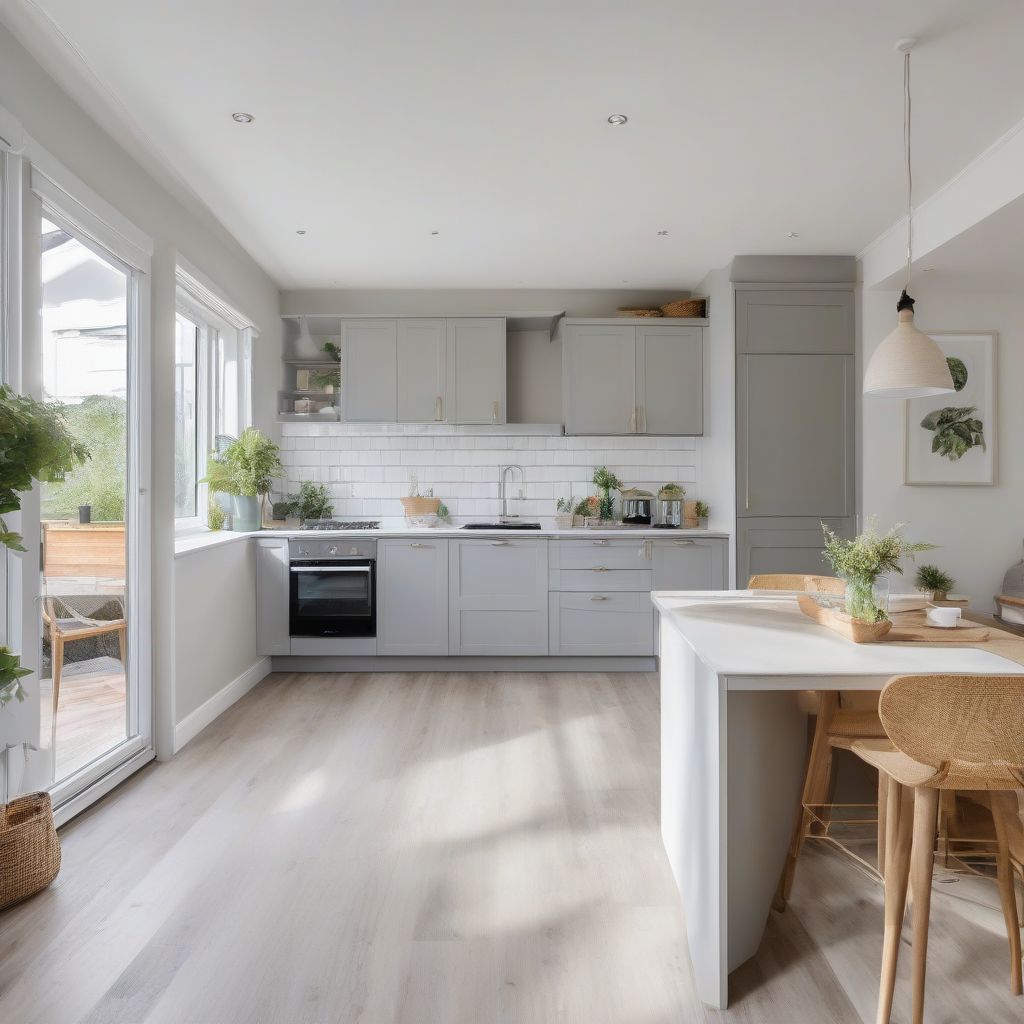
(500, 526)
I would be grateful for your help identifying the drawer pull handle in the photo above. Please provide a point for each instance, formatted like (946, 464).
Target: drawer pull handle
(499, 543)
(416, 544)
(598, 597)
(599, 543)
(683, 543)
(599, 568)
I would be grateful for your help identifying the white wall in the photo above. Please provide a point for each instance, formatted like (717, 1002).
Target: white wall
(215, 658)
(980, 528)
(53, 119)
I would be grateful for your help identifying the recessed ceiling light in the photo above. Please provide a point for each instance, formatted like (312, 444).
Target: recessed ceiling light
(927, 270)
(435, 232)
(617, 119)
(792, 234)
(662, 232)
(300, 231)
(242, 117)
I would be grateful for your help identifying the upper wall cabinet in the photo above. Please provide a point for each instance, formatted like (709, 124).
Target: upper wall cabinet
(621, 378)
(476, 370)
(406, 370)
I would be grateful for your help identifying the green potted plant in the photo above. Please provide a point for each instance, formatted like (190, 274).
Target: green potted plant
(934, 582)
(245, 470)
(606, 481)
(586, 508)
(703, 512)
(862, 560)
(312, 502)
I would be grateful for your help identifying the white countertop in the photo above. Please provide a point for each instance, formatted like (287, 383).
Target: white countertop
(397, 528)
(746, 633)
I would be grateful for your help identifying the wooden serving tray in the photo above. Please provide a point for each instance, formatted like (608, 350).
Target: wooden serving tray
(905, 627)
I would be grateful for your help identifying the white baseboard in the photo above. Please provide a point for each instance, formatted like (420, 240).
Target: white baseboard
(203, 715)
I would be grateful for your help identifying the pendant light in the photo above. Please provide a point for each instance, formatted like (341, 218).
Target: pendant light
(907, 364)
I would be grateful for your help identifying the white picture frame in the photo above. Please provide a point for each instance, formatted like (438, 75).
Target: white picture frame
(922, 467)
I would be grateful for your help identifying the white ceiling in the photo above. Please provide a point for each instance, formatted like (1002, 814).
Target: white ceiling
(377, 123)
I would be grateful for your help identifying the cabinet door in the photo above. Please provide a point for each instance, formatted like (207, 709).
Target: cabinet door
(794, 435)
(476, 370)
(790, 320)
(685, 564)
(369, 369)
(670, 380)
(422, 367)
(498, 597)
(602, 623)
(784, 545)
(598, 378)
(272, 596)
(412, 597)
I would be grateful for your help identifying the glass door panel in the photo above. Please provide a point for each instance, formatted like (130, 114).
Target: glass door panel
(85, 693)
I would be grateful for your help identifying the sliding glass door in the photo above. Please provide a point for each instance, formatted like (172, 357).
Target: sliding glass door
(94, 700)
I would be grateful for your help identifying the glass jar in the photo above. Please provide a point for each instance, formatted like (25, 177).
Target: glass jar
(867, 600)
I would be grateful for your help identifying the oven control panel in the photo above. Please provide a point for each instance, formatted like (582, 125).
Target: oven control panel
(334, 547)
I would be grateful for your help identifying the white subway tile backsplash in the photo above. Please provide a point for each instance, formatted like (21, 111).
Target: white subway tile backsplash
(367, 470)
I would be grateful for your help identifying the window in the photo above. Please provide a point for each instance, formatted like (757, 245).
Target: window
(212, 390)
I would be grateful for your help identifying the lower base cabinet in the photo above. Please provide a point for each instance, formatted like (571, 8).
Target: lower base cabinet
(412, 596)
(609, 623)
(498, 597)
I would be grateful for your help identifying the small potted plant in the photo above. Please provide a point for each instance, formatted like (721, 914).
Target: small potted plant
(564, 513)
(586, 508)
(932, 581)
(312, 502)
(702, 512)
(245, 470)
(606, 481)
(862, 561)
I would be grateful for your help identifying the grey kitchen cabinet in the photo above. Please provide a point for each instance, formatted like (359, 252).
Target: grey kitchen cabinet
(670, 380)
(422, 370)
(602, 623)
(784, 545)
(795, 435)
(476, 369)
(272, 597)
(498, 596)
(412, 596)
(796, 400)
(691, 564)
(599, 367)
(794, 320)
(627, 379)
(369, 368)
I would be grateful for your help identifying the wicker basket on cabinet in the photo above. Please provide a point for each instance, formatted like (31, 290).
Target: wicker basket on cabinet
(685, 307)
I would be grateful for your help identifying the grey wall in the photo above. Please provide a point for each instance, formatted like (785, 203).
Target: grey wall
(53, 119)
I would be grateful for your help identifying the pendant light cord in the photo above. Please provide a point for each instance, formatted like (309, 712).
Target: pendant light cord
(910, 173)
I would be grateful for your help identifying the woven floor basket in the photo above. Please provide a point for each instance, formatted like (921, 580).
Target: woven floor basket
(685, 307)
(29, 848)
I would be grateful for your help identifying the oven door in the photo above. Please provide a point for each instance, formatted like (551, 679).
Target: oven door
(332, 597)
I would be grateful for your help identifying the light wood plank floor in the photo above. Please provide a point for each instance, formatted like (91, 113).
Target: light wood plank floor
(436, 849)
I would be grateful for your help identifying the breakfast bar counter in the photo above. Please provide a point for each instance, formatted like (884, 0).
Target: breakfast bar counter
(733, 744)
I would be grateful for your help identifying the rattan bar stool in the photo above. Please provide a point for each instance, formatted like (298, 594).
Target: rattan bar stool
(945, 733)
(842, 718)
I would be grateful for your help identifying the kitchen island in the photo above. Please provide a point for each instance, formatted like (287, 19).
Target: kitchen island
(733, 744)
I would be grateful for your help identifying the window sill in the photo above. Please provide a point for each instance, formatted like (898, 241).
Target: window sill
(201, 540)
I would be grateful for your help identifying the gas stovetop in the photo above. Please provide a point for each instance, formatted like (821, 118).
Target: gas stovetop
(337, 524)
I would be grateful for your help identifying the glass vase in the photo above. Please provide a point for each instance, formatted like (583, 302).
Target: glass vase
(867, 600)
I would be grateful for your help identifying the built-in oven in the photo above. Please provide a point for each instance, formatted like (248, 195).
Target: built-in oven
(332, 588)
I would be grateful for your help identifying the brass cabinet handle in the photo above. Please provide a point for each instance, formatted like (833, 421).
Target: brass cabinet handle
(599, 542)
(598, 597)
(499, 543)
(494, 412)
(632, 421)
(599, 568)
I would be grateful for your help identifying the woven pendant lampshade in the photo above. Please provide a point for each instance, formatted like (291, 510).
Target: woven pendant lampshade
(907, 364)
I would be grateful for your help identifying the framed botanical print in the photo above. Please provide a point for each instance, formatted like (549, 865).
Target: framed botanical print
(951, 439)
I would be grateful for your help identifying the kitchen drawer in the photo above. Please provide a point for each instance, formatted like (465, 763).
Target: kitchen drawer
(603, 579)
(602, 623)
(601, 553)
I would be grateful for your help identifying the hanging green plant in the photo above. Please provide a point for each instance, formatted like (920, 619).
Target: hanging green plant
(958, 371)
(956, 429)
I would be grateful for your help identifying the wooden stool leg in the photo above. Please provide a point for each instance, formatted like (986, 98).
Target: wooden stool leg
(898, 817)
(815, 791)
(1003, 806)
(922, 860)
(883, 802)
(122, 643)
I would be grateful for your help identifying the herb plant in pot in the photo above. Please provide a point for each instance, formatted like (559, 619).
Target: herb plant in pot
(606, 481)
(564, 513)
(934, 582)
(862, 561)
(245, 469)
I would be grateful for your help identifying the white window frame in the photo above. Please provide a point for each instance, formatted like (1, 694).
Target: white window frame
(220, 326)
